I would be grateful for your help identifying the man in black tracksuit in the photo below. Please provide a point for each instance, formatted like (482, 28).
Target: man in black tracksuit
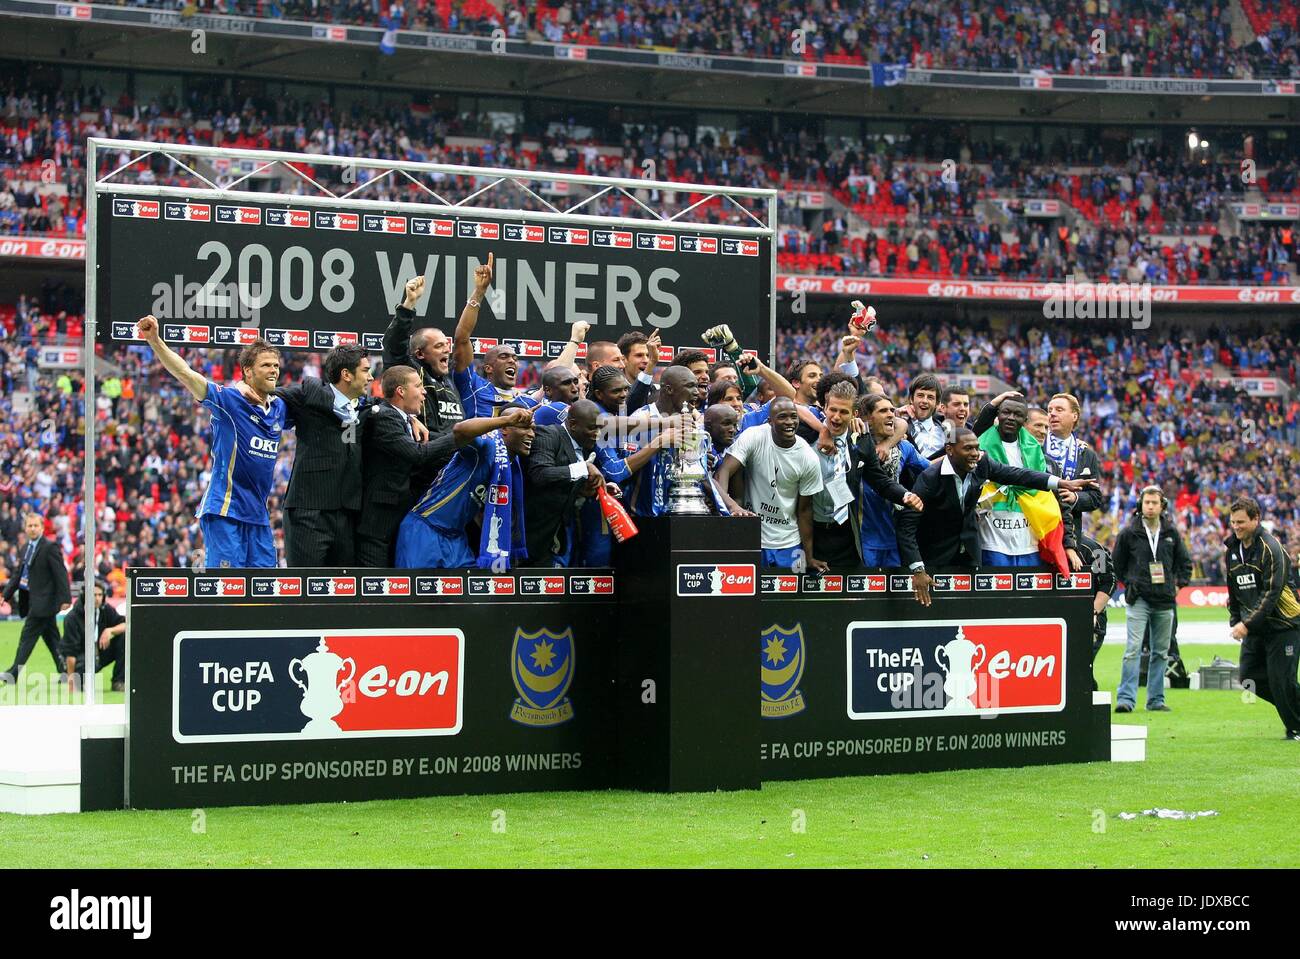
(429, 351)
(1096, 559)
(1264, 612)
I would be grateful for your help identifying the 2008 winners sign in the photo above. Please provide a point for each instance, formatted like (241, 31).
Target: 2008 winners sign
(216, 273)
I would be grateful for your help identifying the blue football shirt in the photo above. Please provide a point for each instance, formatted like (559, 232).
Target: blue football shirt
(245, 442)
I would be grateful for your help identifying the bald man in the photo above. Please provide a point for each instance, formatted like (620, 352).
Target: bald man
(559, 391)
(721, 422)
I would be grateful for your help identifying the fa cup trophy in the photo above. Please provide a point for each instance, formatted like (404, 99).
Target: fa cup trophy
(688, 473)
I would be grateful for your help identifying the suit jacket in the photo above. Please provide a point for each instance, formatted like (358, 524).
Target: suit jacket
(947, 526)
(47, 582)
(550, 491)
(326, 470)
(389, 457)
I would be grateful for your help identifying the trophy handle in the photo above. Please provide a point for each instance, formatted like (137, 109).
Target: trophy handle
(979, 662)
(937, 651)
(299, 683)
(352, 671)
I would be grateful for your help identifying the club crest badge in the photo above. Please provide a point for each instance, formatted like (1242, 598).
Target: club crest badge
(782, 660)
(541, 664)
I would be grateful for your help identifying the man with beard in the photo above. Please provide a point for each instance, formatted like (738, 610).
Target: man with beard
(429, 351)
(487, 393)
(781, 476)
(697, 361)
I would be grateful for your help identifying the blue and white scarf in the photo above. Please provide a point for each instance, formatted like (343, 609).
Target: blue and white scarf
(503, 539)
(1064, 453)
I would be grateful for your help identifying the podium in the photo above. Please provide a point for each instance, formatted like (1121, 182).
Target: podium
(687, 655)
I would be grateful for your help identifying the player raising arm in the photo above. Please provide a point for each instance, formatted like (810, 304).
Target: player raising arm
(246, 424)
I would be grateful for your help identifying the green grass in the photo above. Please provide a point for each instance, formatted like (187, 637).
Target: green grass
(1212, 752)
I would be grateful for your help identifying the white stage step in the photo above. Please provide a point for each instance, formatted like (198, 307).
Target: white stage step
(40, 754)
(1128, 744)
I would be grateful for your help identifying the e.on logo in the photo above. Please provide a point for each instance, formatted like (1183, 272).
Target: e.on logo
(722, 580)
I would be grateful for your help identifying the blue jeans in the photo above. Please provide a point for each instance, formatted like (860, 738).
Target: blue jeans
(1162, 624)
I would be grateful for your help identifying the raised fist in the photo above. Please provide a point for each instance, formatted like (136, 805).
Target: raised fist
(579, 331)
(414, 290)
(147, 327)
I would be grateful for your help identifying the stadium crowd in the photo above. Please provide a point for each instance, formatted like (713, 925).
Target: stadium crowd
(911, 217)
(1141, 37)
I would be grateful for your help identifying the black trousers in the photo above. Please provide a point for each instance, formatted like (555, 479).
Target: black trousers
(34, 628)
(115, 654)
(833, 543)
(377, 535)
(1268, 660)
(319, 537)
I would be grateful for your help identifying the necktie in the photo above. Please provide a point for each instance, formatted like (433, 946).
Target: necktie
(27, 562)
(841, 448)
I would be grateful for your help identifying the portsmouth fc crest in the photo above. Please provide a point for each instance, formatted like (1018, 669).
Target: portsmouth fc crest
(782, 653)
(542, 666)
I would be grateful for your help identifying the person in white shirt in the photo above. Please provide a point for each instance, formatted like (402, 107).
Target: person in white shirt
(781, 476)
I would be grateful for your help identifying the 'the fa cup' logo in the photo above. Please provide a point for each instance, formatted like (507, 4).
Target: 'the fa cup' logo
(961, 671)
(321, 701)
(542, 666)
(782, 661)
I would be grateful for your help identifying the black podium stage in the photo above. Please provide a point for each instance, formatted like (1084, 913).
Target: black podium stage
(684, 668)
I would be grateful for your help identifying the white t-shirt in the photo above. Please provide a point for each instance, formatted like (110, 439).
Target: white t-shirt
(1007, 531)
(774, 479)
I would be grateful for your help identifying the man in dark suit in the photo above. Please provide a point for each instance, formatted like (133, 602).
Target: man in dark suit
(392, 460)
(323, 501)
(427, 350)
(556, 477)
(110, 638)
(38, 589)
(950, 489)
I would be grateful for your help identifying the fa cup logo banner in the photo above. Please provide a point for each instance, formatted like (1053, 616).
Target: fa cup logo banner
(977, 667)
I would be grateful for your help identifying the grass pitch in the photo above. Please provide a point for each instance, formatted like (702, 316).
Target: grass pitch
(1214, 752)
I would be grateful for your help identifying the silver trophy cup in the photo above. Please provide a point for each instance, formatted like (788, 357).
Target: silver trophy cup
(688, 474)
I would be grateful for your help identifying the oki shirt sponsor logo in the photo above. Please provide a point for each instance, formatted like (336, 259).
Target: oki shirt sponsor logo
(779, 584)
(439, 586)
(242, 215)
(297, 219)
(386, 586)
(220, 586)
(162, 586)
(146, 209)
(262, 685)
(194, 212)
(277, 586)
(332, 586)
(724, 580)
(338, 221)
(424, 226)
